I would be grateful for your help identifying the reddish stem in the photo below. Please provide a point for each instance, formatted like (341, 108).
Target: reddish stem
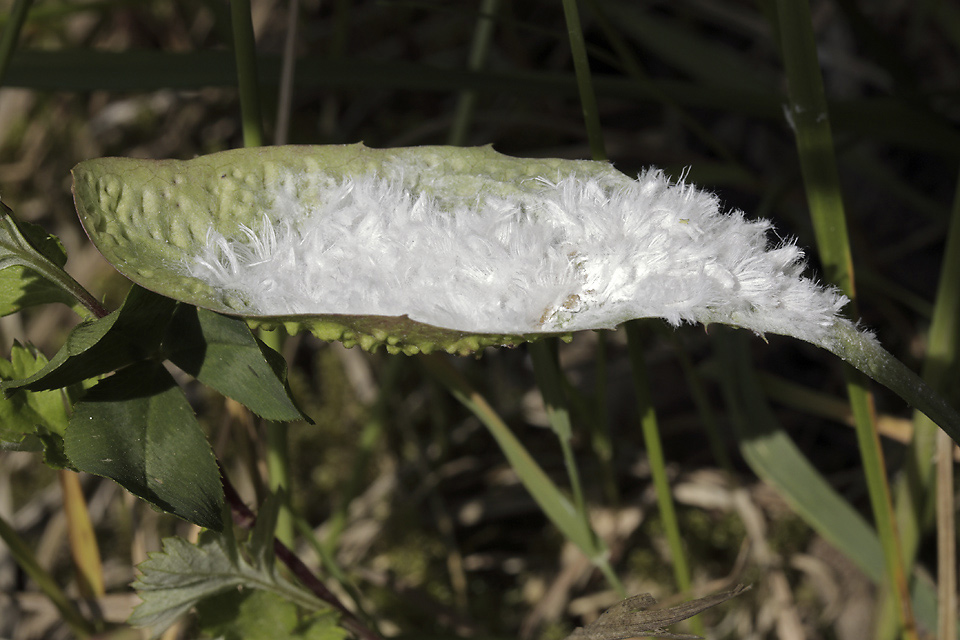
(245, 518)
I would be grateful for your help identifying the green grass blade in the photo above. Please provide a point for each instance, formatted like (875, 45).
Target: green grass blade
(631, 65)
(83, 540)
(546, 368)
(244, 47)
(581, 63)
(28, 562)
(809, 115)
(277, 454)
(11, 34)
(648, 420)
(591, 118)
(942, 355)
(599, 423)
(777, 461)
(479, 51)
(943, 346)
(705, 411)
(658, 466)
(551, 383)
(775, 458)
(331, 566)
(371, 434)
(554, 504)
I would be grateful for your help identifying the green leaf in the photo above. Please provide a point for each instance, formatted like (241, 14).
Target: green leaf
(137, 428)
(222, 352)
(261, 615)
(175, 580)
(130, 334)
(29, 262)
(32, 420)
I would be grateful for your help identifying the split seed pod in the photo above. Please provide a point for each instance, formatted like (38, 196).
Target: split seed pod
(455, 249)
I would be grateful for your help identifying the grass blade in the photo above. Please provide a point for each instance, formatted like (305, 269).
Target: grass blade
(775, 458)
(658, 467)
(28, 562)
(809, 114)
(11, 33)
(554, 504)
(591, 119)
(83, 541)
(942, 356)
(588, 98)
(479, 51)
(244, 47)
(549, 378)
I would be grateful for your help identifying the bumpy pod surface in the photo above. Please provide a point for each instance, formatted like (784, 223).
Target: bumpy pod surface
(447, 248)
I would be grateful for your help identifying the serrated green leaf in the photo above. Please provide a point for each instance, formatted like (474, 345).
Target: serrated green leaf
(261, 615)
(175, 580)
(29, 260)
(137, 428)
(130, 334)
(221, 352)
(32, 420)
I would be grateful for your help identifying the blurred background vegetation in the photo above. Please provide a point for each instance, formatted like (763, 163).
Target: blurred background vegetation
(396, 484)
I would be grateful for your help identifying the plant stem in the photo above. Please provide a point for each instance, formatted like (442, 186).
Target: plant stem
(546, 369)
(371, 434)
(658, 467)
(591, 117)
(244, 518)
(80, 626)
(285, 99)
(581, 65)
(83, 541)
(11, 33)
(278, 457)
(244, 47)
(809, 117)
(946, 541)
(330, 564)
(942, 357)
(479, 50)
(599, 424)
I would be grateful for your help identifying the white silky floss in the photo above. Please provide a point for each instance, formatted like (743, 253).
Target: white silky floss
(556, 254)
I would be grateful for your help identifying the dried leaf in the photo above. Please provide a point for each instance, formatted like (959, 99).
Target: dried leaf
(632, 618)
